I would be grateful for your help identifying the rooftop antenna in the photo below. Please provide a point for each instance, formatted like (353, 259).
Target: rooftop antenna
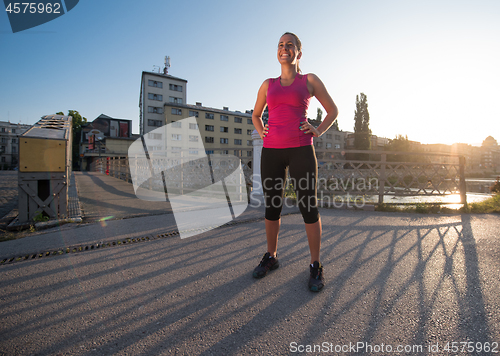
(154, 68)
(167, 65)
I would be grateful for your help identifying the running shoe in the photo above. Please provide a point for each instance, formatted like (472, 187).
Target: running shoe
(316, 279)
(268, 263)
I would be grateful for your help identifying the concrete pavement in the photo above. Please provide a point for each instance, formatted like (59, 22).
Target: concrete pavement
(394, 281)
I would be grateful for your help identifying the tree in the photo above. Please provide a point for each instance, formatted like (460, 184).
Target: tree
(362, 132)
(319, 119)
(319, 116)
(77, 122)
(335, 124)
(398, 144)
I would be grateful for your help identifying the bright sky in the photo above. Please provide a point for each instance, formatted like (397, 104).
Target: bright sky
(430, 69)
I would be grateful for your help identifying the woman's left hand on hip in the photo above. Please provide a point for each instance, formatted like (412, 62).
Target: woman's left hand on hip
(307, 128)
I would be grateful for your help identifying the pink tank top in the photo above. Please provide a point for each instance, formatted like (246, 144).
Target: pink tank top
(287, 109)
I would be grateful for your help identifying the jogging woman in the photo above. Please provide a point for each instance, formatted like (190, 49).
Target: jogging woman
(288, 145)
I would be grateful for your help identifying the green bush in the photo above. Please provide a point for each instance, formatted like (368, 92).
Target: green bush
(41, 217)
(491, 205)
(495, 188)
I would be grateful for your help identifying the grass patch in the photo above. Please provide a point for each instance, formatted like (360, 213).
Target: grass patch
(419, 208)
(488, 206)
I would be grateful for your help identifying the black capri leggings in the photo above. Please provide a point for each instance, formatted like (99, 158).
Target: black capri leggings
(301, 161)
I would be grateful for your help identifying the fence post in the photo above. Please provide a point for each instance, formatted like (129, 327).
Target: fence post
(257, 153)
(463, 186)
(381, 185)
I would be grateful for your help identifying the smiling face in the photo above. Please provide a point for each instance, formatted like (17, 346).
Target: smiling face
(288, 51)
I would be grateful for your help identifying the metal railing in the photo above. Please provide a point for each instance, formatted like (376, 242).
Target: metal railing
(189, 175)
(356, 172)
(383, 173)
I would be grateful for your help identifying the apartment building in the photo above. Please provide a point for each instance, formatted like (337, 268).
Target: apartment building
(223, 131)
(332, 140)
(9, 143)
(158, 89)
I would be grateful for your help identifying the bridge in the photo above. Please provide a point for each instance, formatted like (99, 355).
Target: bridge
(123, 282)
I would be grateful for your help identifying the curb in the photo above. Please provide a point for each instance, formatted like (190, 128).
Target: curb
(92, 246)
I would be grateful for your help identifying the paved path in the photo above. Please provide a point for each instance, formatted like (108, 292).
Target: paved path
(106, 197)
(396, 280)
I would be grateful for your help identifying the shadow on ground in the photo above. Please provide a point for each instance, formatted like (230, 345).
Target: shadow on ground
(392, 281)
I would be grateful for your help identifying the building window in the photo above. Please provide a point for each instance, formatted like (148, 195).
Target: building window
(249, 132)
(193, 138)
(3, 158)
(249, 153)
(209, 116)
(249, 121)
(14, 149)
(154, 136)
(154, 148)
(193, 151)
(3, 129)
(328, 135)
(152, 96)
(175, 87)
(249, 142)
(337, 146)
(319, 144)
(154, 83)
(209, 127)
(193, 126)
(176, 137)
(177, 124)
(238, 120)
(209, 152)
(193, 113)
(237, 142)
(238, 131)
(176, 111)
(175, 100)
(155, 123)
(224, 129)
(155, 110)
(328, 145)
(209, 140)
(14, 140)
(337, 137)
(224, 152)
(224, 140)
(13, 130)
(224, 118)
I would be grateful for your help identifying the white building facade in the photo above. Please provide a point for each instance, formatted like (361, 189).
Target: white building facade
(158, 89)
(9, 143)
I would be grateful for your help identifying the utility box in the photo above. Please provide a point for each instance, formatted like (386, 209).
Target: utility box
(45, 159)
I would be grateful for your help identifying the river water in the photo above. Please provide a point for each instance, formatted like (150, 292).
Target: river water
(477, 191)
